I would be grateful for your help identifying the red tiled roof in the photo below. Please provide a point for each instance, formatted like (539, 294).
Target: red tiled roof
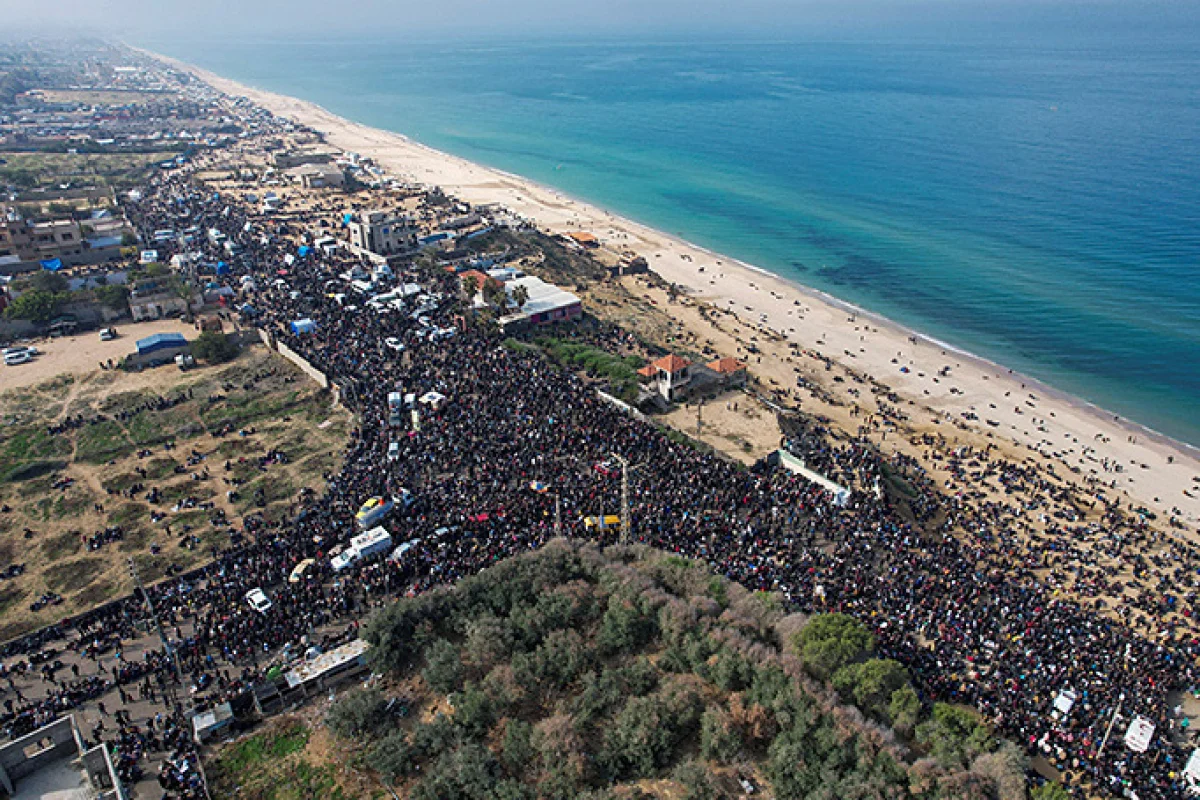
(476, 277)
(726, 366)
(647, 371)
(672, 363)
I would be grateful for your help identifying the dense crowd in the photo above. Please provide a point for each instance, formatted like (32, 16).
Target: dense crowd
(971, 623)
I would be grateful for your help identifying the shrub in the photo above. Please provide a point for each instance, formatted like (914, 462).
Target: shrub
(697, 781)
(214, 347)
(832, 641)
(719, 738)
(361, 712)
(954, 735)
(871, 684)
(443, 668)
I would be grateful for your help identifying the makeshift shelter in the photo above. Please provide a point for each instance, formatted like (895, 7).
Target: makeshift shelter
(52, 264)
(303, 326)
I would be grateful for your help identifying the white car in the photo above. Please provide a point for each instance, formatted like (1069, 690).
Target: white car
(258, 600)
(393, 343)
(107, 334)
(18, 349)
(12, 359)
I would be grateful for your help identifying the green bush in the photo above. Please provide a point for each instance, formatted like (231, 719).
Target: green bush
(720, 739)
(871, 684)
(832, 641)
(361, 712)
(954, 735)
(214, 347)
(443, 668)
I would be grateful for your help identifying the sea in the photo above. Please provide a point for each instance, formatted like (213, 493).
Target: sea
(1032, 199)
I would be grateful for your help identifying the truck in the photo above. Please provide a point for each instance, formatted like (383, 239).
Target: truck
(373, 511)
(375, 541)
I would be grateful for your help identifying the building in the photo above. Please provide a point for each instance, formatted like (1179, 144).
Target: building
(33, 241)
(544, 303)
(317, 176)
(288, 160)
(55, 762)
(731, 373)
(582, 239)
(672, 376)
(153, 300)
(382, 233)
(159, 349)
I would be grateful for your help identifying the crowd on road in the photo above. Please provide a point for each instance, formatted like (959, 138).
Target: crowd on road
(511, 458)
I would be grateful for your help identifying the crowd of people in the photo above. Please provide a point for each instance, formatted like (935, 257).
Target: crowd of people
(934, 579)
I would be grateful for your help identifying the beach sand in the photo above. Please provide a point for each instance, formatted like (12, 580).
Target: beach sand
(1010, 408)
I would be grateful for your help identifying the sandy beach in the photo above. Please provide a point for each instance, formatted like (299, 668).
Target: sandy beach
(943, 390)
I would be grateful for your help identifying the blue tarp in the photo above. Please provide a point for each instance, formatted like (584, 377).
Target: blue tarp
(52, 264)
(248, 310)
(303, 326)
(222, 268)
(347, 219)
(160, 341)
(304, 251)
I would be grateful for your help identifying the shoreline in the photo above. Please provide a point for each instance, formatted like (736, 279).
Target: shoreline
(1086, 432)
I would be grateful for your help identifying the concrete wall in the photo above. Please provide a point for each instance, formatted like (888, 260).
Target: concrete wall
(291, 355)
(305, 367)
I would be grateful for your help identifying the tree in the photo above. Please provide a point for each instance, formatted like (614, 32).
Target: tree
(832, 641)
(443, 668)
(954, 736)
(48, 281)
(697, 781)
(1049, 791)
(719, 738)
(870, 685)
(520, 296)
(518, 751)
(358, 713)
(214, 347)
(904, 710)
(112, 296)
(35, 305)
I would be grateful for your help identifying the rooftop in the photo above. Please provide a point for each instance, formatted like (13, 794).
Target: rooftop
(672, 364)
(726, 366)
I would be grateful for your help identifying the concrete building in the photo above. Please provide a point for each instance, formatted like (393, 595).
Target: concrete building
(381, 233)
(545, 303)
(317, 176)
(730, 373)
(31, 241)
(156, 300)
(54, 762)
(672, 376)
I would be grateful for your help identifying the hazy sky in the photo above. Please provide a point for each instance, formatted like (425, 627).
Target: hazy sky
(191, 18)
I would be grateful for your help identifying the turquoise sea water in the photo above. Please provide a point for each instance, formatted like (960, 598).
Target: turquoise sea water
(1036, 203)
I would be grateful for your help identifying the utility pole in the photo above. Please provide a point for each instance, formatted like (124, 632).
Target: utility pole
(133, 573)
(1111, 722)
(626, 533)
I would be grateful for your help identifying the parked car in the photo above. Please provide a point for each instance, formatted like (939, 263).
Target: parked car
(258, 600)
(12, 359)
(108, 334)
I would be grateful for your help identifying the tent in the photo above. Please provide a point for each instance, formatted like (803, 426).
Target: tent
(301, 326)
(52, 264)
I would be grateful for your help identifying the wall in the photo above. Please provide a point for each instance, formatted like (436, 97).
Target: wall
(305, 367)
(15, 764)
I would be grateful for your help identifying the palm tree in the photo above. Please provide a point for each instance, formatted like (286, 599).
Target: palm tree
(520, 296)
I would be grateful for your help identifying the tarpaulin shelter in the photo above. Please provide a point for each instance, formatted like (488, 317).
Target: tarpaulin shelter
(301, 326)
(52, 264)
(303, 251)
(222, 268)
